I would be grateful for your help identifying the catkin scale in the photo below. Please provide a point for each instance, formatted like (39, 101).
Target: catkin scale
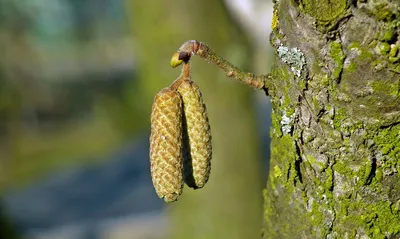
(166, 145)
(196, 150)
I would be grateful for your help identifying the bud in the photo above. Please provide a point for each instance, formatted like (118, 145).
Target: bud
(196, 149)
(166, 145)
(175, 60)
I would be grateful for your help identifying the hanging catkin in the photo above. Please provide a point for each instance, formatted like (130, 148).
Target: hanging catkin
(197, 149)
(166, 145)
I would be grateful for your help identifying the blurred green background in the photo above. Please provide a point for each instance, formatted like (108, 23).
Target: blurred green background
(77, 81)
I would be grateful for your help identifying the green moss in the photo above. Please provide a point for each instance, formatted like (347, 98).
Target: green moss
(383, 48)
(378, 175)
(322, 209)
(317, 217)
(387, 35)
(393, 51)
(277, 172)
(276, 126)
(284, 150)
(329, 179)
(282, 180)
(338, 56)
(396, 68)
(377, 219)
(388, 142)
(281, 74)
(377, 62)
(383, 12)
(290, 111)
(355, 45)
(364, 174)
(352, 67)
(324, 10)
(365, 53)
(386, 88)
(394, 59)
(285, 104)
(302, 84)
(311, 159)
(323, 80)
(342, 168)
(287, 145)
(293, 176)
(340, 115)
(373, 216)
(315, 103)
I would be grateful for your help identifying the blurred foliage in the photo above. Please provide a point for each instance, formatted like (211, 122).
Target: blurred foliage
(62, 85)
(230, 205)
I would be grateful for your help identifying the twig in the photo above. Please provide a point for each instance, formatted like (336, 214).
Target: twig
(193, 47)
(184, 76)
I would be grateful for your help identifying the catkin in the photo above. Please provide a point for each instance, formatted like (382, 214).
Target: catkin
(166, 145)
(196, 149)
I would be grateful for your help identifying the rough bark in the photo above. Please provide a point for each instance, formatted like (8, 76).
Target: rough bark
(335, 153)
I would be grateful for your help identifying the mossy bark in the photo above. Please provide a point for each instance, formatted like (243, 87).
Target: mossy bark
(335, 153)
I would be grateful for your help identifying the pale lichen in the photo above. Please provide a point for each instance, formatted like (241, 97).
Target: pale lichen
(287, 123)
(293, 57)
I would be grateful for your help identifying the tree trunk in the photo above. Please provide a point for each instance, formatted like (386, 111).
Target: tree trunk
(335, 153)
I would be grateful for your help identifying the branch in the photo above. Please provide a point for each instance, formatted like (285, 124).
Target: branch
(193, 47)
(184, 76)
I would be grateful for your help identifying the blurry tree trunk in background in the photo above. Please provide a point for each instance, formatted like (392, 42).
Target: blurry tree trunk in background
(335, 153)
(7, 230)
(230, 205)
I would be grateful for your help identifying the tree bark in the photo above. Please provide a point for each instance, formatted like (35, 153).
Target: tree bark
(335, 151)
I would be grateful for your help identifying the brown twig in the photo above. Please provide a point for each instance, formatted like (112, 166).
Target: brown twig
(184, 76)
(193, 47)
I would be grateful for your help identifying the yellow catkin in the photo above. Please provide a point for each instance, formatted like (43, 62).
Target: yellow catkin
(166, 145)
(197, 150)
